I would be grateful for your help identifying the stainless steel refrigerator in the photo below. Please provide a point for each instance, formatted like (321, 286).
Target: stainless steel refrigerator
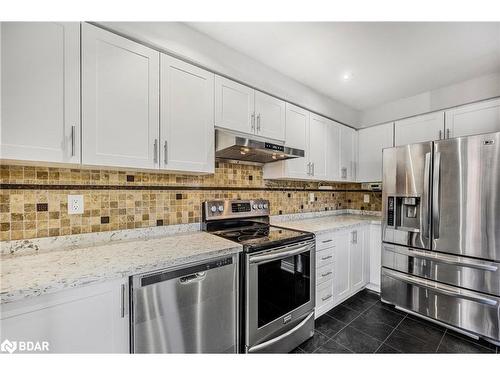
(441, 232)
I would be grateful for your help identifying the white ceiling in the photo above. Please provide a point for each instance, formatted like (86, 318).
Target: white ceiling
(387, 60)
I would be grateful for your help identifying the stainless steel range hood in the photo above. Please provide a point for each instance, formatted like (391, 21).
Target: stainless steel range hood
(241, 148)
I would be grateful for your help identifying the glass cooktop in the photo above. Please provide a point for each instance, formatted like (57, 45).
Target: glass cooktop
(262, 235)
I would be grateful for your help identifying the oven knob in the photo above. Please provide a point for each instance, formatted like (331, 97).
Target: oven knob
(213, 209)
(260, 206)
(221, 208)
(254, 206)
(265, 206)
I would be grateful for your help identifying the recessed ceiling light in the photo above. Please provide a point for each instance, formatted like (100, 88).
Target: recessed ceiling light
(346, 76)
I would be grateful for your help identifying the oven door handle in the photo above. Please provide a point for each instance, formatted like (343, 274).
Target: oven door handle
(279, 254)
(265, 344)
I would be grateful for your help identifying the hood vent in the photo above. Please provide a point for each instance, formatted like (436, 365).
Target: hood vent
(235, 147)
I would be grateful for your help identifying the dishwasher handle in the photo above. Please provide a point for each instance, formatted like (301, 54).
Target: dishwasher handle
(193, 278)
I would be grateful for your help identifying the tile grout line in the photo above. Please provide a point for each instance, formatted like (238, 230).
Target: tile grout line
(383, 342)
(442, 338)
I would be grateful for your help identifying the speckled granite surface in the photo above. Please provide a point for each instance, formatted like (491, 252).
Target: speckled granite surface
(324, 224)
(47, 272)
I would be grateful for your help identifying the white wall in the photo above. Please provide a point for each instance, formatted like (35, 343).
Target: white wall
(479, 88)
(181, 40)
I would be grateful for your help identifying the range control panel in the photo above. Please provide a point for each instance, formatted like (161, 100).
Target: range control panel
(235, 208)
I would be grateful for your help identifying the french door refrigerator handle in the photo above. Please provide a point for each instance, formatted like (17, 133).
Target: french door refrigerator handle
(445, 290)
(424, 222)
(447, 259)
(436, 198)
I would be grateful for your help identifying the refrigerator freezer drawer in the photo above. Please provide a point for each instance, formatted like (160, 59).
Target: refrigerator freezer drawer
(478, 275)
(470, 311)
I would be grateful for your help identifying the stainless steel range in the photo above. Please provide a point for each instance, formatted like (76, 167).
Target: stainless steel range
(277, 275)
(441, 232)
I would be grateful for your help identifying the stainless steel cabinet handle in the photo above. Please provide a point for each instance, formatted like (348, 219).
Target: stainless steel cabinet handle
(440, 132)
(436, 196)
(312, 164)
(325, 241)
(284, 252)
(354, 236)
(441, 288)
(165, 152)
(344, 173)
(309, 169)
(326, 297)
(265, 344)
(328, 257)
(448, 133)
(326, 274)
(73, 140)
(258, 122)
(155, 151)
(447, 259)
(424, 223)
(252, 121)
(123, 299)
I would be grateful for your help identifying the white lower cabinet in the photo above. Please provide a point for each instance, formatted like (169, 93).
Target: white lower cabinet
(344, 265)
(90, 319)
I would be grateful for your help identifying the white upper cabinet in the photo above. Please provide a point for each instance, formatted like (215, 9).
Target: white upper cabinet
(297, 136)
(318, 147)
(234, 106)
(187, 117)
(371, 142)
(347, 154)
(120, 101)
(242, 109)
(477, 118)
(40, 91)
(418, 129)
(333, 150)
(269, 116)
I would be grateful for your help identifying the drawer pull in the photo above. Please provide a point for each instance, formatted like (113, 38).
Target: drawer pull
(325, 241)
(326, 274)
(328, 257)
(326, 297)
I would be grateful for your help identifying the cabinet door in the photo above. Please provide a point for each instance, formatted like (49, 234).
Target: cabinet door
(375, 257)
(297, 136)
(371, 142)
(270, 116)
(418, 129)
(477, 118)
(357, 259)
(234, 106)
(347, 154)
(318, 146)
(333, 151)
(40, 91)
(187, 117)
(92, 319)
(120, 101)
(341, 264)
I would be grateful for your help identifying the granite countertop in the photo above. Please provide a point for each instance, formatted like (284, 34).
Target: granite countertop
(323, 224)
(24, 276)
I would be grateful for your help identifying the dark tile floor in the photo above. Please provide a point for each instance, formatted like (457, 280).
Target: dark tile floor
(363, 324)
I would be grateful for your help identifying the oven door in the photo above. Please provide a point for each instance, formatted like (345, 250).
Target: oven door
(279, 297)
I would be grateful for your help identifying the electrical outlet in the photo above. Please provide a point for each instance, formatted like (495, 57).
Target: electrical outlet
(366, 198)
(311, 197)
(75, 204)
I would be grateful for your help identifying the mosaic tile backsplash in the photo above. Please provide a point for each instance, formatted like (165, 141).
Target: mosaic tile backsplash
(33, 200)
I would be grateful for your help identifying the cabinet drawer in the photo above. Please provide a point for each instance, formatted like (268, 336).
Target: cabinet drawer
(324, 294)
(324, 273)
(324, 257)
(324, 241)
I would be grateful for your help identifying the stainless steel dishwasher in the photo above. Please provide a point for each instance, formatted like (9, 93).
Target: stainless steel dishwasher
(191, 309)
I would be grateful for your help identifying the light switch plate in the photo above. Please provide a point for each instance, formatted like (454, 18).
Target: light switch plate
(75, 204)
(366, 198)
